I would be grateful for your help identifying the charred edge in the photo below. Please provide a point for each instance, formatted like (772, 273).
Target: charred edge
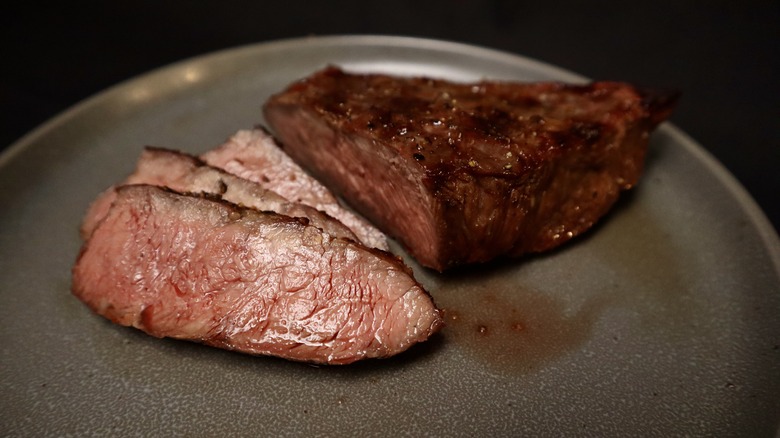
(659, 103)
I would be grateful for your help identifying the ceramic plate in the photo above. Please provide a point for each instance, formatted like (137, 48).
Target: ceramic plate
(663, 320)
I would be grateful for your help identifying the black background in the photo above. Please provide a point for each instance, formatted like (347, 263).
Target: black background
(723, 55)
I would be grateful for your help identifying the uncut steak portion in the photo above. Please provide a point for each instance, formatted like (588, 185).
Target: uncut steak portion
(463, 173)
(255, 155)
(185, 173)
(205, 270)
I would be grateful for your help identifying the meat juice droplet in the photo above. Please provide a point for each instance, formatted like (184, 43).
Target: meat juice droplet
(513, 331)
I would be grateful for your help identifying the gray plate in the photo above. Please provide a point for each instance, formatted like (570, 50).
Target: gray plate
(661, 321)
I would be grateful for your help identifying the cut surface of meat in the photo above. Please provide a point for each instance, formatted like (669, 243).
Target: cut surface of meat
(205, 270)
(185, 173)
(464, 173)
(255, 155)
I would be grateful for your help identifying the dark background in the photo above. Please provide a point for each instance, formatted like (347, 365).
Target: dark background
(723, 55)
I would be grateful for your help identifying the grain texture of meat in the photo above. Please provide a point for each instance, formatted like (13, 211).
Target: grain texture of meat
(185, 173)
(255, 155)
(464, 173)
(205, 270)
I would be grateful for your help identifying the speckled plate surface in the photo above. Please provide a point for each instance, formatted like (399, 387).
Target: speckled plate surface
(663, 320)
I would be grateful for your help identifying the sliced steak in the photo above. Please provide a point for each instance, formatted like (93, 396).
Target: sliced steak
(205, 270)
(185, 173)
(463, 173)
(255, 155)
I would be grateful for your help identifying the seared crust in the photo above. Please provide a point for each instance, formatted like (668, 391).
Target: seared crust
(474, 171)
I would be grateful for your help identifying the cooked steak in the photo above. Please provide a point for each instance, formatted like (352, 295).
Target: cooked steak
(254, 155)
(205, 270)
(185, 173)
(463, 173)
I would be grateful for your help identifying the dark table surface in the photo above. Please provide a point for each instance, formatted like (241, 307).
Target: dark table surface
(723, 55)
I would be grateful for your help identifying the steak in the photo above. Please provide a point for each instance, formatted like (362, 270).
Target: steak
(255, 155)
(185, 173)
(205, 270)
(463, 173)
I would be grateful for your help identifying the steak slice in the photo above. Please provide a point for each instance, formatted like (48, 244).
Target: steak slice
(205, 270)
(185, 173)
(255, 155)
(463, 173)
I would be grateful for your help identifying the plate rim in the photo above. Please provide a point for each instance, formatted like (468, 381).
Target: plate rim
(746, 206)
